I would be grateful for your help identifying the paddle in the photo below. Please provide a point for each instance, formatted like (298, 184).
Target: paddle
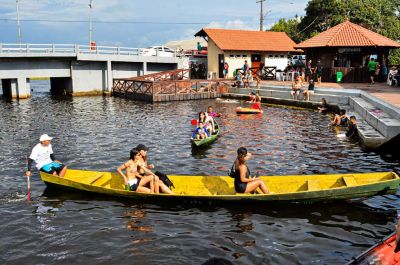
(28, 183)
(194, 122)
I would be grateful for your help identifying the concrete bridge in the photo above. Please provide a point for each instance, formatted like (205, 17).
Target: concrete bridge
(75, 69)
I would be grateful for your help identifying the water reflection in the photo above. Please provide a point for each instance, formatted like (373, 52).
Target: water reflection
(97, 133)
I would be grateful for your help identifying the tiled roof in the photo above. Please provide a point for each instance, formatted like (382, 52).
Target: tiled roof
(249, 40)
(348, 34)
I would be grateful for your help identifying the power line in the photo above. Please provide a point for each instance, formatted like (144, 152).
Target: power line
(106, 22)
(122, 22)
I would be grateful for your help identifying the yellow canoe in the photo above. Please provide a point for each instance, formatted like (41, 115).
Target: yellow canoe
(302, 188)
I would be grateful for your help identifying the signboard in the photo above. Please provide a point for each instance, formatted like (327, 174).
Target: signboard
(349, 50)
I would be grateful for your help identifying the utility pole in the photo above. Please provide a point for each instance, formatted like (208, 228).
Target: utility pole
(90, 23)
(261, 14)
(19, 25)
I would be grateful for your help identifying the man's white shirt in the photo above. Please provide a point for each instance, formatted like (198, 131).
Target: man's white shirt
(41, 155)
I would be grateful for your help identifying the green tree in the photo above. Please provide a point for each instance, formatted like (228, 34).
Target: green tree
(289, 26)
(381, 16)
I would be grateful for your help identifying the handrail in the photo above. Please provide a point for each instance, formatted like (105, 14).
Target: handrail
(36, 48)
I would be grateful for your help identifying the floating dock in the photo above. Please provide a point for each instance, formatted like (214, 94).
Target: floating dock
(174, 85)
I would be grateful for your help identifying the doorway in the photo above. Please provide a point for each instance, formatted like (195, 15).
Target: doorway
(255, 60)
(221, 62)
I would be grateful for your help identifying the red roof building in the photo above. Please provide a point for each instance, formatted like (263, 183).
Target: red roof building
(347, 48)
(256, 47)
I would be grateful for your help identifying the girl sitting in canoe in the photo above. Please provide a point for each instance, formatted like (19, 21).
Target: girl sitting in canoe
(144, 170)
(207, 121)
(243, 182)
(132, 179)
(200, 133)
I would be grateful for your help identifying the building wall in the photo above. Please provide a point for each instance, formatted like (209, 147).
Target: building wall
(212, 59)
(236, 59)
(279, 60)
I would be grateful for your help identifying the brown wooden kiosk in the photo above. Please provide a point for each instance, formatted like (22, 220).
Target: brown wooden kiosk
(346, 48)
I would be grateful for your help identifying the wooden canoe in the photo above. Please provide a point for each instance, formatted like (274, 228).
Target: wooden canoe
(287, 189)
(240, 110)
(208, 140)
(381, 253)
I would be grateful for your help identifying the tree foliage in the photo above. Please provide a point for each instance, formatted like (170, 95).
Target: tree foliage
(381, 16)
(289, 26)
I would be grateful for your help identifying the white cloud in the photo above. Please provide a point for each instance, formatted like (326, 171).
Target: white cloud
(231, 24)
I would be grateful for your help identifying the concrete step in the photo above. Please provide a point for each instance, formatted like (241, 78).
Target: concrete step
(370, 137)
(285, 94)
(377, 118)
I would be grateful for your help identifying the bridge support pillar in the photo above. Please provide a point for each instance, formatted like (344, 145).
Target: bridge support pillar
(23, 88)
(144, 68)
(109, 77)
(17, 88)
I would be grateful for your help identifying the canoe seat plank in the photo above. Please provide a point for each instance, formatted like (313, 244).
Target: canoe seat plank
(313, 185)
(93, 180)
(350, 181)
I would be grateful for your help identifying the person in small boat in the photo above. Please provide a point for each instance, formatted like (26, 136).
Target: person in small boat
(133, 179)
(201, 132)
(340, 119)
(352, 128)
(324, 106)
(257, 103)
(252, 96)
(243, 182)
(144, 170)
(207, 121)
(42, 154)
(210, 112)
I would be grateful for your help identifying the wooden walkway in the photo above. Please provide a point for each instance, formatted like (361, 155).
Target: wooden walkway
(174, 85)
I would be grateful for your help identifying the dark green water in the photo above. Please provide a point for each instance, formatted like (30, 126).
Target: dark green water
(64, 227)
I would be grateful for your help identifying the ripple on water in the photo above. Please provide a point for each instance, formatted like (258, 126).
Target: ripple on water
(97, 133)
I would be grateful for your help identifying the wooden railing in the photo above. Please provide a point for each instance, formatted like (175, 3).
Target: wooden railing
(179, 74)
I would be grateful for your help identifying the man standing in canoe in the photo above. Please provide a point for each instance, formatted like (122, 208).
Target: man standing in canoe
(42, 154)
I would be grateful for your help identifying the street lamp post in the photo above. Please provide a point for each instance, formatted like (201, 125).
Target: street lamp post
(261, 14)
(90, 23)
(19, 25)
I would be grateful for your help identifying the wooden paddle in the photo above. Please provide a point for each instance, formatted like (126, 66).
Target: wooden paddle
(28, 183)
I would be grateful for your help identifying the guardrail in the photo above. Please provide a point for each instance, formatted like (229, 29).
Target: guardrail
(32, 49)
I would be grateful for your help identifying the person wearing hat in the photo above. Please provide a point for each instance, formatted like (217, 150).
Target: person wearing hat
(145, 170)
(42, 154)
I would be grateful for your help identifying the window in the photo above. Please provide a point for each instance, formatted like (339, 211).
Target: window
(232, 56)
(237, 56)
(244, 56)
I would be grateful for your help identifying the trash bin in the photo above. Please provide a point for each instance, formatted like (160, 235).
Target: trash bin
(339, 76)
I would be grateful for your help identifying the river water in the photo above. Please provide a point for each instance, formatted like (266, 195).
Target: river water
(65, 227)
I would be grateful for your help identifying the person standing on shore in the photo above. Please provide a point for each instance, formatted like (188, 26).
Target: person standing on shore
(42, 154)
(371, 70)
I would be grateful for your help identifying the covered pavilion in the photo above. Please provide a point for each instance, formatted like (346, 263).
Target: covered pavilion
(347, 48)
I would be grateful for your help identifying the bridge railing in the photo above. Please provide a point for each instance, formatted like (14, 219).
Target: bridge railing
(48, 49)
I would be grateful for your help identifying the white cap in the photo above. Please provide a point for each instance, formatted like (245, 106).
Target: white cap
(45, 137)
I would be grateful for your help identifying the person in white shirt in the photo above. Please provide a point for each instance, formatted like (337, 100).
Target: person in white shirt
(42, 154)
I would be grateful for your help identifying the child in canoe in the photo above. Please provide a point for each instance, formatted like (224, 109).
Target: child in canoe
(208, 122)
(257, 101)
(132, 179)
(200, 133)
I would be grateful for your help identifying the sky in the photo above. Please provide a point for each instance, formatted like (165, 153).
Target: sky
(134, 23)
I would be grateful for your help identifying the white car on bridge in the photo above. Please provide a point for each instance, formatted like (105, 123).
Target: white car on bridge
(161, 51)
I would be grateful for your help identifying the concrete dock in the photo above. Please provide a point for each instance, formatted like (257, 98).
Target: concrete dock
(378, 120)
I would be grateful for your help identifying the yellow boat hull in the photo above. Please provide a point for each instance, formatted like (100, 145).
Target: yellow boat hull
(302, 188)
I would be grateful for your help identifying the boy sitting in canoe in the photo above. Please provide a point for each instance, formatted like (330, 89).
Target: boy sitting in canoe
(132, 179)
(200, 132)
